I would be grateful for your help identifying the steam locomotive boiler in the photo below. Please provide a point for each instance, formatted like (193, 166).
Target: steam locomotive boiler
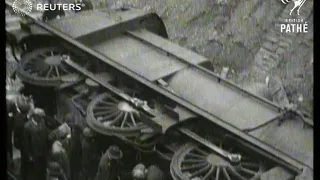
(117, 72)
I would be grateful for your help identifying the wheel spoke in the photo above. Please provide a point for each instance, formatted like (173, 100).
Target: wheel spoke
(200, 171)
(218, 173)
(124, 120)
(225, 173)
(110, 115)
(193, 167)
(101, 113)
(236, 174)
(104, 108)
(64, 69)
(49, 72)
(107, 103)
(57, 71)
(132, 119)
(191, 161)
(201, 151)
(113, 99)
(116, 119)
(195, 156)
(208, 175)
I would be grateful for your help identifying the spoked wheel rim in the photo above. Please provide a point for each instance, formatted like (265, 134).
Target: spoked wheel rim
(110, 115)
(194, 162)
(45, 67)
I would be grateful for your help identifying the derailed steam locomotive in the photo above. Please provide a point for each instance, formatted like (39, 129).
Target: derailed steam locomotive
(117, 73)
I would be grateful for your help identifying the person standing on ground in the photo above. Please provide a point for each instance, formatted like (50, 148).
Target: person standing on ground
(59, 155)
(74, 152)
(35, 145)
(109, 164)
(90, 154)
(10, 106)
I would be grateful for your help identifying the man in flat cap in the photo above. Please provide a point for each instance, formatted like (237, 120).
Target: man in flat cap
(35, 145)
(90, 154)
(109, 164)
(21, 117)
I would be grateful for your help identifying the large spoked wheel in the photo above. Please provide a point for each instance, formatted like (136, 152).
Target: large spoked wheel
(44, 67)
(194, 162)
(109, 115)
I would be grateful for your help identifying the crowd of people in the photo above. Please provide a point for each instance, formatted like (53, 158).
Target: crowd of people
(61, 150)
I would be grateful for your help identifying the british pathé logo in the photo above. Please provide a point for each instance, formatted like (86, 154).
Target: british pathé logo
(294, 25)
(297, 4)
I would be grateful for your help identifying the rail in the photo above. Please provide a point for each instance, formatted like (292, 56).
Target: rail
(266, 150)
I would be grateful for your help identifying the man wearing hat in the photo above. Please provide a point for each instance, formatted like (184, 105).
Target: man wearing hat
(74, 151)
(20, 118)
(59, 155)
(152, 173)
(109, 164)
(35, 145)
(139, 172)
(90, 154)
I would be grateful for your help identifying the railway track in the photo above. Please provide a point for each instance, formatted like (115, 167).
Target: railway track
(160, 67)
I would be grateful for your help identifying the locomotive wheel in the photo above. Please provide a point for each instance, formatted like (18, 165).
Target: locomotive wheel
(193, 162)
(44, 67)
(109, 115)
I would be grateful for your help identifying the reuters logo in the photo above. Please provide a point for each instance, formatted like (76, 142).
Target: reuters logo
(22, 7)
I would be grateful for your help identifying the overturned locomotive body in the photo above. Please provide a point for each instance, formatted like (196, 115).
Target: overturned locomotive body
(119, 75)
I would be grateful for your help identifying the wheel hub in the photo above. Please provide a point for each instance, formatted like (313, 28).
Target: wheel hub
(124, 106)
(53, 60)
(216, 160)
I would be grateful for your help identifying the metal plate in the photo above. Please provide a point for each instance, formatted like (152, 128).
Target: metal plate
(230, 105)
(139, 57)
(290, 137)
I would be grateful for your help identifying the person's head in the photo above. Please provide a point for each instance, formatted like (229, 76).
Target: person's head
(139, 172)
(114, 153)
(69, 119)
(87, 132)
(23, 105)
(37, 113)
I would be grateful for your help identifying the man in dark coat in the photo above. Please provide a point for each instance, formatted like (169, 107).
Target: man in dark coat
(90, 154)
(74, 153)
(22, 107)
(109, 164)
(20, 119)
(35, 146)
(10, 123)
